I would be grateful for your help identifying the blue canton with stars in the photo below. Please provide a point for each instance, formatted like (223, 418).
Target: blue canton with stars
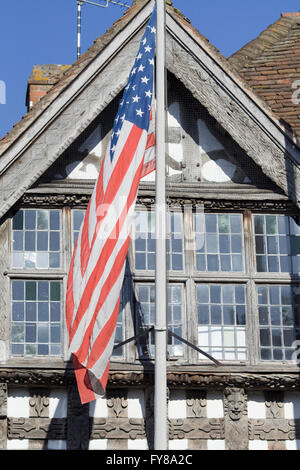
(137, 97)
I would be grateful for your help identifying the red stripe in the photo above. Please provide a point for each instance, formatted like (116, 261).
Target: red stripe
(104, 378)
(150, 141)
(148, 167)
(104, 255)
(83, 382)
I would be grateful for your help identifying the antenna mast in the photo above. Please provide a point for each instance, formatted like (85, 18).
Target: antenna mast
(79, 5)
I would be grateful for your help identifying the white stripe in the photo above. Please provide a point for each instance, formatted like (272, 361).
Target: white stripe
(99, 367)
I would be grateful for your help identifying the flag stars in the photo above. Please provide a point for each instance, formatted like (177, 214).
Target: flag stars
(151, 61)
(135, 99)
(139, 56)
(148, 49)
(139, 112)
(133, 71)
(148, 94)
(145, 80)
(141, 68)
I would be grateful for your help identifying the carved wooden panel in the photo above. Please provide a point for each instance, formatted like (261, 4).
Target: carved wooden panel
(39, 403)
(195, 428)
(274, 429)
(37, 428)
(117, 428)
(236, 419)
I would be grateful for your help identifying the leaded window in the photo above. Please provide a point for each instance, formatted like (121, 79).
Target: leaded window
(144, 241)
(222, 320)
(232, 276)
(277, 243)
(219, 242)
(279, 320)
(36, 239)
(36, 326)
(146, 306)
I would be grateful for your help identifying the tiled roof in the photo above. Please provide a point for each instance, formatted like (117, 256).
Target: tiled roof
(270, 65)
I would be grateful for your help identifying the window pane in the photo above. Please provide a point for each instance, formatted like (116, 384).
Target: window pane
(278, 305)
(219, 242)
(145, 244)
(36, 318)
(222, 309)
(36, 239)
(277, 243)
(145, 316)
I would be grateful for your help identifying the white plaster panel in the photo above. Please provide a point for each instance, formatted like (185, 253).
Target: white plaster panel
(292, 445)
(219, 171)
(214, 405)
(256, 405)
(215, 444)
(291, 405)
(258, 445)
(98, 408)
(136, 404)
(137, 444)
(17, 444)
(207, 140)
(18, 403)
(175, 152)
(177, 404)
(149, 177)
(57, 444)
(82, 171)
(98, 444)
(58, 402)
(178, 444)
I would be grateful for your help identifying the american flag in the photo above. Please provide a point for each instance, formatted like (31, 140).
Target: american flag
(96, 271)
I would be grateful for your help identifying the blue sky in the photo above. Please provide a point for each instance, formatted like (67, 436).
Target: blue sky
(44, 32)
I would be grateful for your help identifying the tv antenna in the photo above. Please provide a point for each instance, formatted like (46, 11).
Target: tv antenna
(80, 3)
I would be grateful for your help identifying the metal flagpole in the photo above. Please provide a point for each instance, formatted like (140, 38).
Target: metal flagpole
(160, 388)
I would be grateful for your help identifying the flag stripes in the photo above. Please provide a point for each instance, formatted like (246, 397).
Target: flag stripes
(97, 267)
